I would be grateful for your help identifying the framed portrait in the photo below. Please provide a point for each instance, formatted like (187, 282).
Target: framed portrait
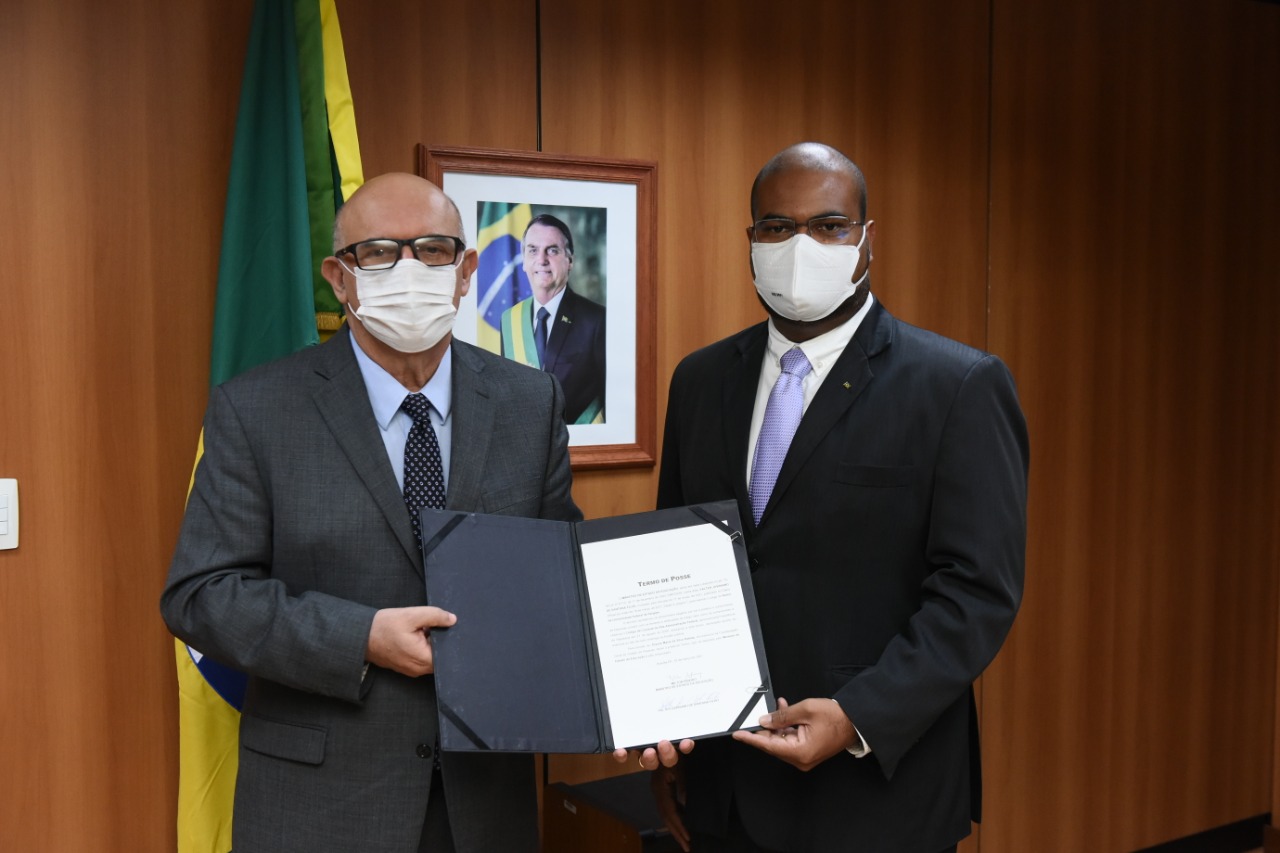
(565, 283)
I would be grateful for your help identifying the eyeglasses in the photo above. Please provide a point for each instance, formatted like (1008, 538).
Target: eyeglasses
(434, 250)
(824, 229)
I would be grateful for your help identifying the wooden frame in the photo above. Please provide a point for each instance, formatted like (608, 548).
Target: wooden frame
(615, 203)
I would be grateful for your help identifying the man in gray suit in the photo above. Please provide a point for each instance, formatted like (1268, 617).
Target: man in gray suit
(298, 561)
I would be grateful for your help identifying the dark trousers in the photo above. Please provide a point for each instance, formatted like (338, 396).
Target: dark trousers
(714, 844)
(436, 835)
(737, 841)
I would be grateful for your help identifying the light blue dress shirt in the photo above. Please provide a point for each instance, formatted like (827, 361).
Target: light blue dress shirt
(386, 394)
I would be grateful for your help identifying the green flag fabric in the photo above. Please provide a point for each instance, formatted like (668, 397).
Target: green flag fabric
(295, 125)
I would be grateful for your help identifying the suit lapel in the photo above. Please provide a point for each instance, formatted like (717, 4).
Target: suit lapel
(847, 379)
(343, 402)
(473, 413)
(740, 381)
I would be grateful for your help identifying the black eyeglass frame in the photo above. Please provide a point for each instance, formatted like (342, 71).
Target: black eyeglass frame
(459, 246)
(808, 227)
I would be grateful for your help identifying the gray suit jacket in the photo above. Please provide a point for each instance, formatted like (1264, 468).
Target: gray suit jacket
(295, 534)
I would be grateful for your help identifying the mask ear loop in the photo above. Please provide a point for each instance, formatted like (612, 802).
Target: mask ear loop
(861, 240)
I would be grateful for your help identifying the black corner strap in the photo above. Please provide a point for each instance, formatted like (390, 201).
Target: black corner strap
(735, 535)
(467, 732)
(759, 691)
(448, 528)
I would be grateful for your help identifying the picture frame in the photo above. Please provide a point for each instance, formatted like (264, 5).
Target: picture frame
(584, 225)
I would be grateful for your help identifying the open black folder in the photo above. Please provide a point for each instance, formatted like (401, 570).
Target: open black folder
(589, 636)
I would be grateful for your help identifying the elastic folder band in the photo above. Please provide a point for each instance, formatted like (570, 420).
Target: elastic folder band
(467, 732)
(735, 535)
(751, 703)
(448, 528)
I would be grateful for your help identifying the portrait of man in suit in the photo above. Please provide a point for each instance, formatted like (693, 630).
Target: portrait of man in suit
(557, 329)
(300, 560)
(881, 474)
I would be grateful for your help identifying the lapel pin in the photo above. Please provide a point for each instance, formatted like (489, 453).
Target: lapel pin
(565, 319)
(847, 386)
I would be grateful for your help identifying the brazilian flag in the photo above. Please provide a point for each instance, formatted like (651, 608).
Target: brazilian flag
(295, 159)
(500, 279)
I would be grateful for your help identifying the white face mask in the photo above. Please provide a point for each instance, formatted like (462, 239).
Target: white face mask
(408, 307)
(805, 280)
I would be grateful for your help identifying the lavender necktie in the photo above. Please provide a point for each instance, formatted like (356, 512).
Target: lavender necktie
(423, 468)
(781, 418)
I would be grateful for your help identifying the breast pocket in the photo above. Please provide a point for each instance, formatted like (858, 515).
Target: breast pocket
(839, 676)
(875, 476)
(521, 499)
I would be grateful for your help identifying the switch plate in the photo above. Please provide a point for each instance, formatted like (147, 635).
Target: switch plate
(8, 514)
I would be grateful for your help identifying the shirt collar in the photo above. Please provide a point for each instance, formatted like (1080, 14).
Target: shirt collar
(552, 306)
(823, 350)
(386, 394)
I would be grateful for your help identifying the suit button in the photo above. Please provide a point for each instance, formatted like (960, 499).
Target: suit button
(754, 563)
(424, 750)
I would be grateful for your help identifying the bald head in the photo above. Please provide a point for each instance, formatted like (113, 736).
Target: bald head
(813, 157)
(392, 203)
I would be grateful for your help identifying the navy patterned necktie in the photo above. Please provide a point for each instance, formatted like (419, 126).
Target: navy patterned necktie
(540, 337)
(423, 470)
(781, 419)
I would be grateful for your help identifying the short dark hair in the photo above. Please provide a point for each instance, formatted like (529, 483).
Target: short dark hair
(554, 222)
(812, 155)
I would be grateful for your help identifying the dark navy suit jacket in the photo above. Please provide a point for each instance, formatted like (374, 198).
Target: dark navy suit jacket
(576, 354)
(887, 569)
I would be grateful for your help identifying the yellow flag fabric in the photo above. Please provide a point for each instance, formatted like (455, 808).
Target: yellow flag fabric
(268, 305)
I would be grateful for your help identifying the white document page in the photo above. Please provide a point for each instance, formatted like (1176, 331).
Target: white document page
(675, 645)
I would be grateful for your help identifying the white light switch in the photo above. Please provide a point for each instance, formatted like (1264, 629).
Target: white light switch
(8, 514)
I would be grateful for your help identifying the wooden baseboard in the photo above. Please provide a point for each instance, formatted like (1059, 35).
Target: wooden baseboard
(1239, 837)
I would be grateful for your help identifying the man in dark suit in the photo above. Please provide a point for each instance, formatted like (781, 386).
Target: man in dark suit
(556, 329)
(881, 473)
(299, 564)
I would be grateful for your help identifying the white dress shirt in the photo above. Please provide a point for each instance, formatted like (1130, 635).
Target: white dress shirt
(552, 306)
(822, 353)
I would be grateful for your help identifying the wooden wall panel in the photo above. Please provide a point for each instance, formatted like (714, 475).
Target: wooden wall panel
(439, 74)
(115, 141)
(114, 175)
(712, 90)
(1133, 291)
(1124, 155)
